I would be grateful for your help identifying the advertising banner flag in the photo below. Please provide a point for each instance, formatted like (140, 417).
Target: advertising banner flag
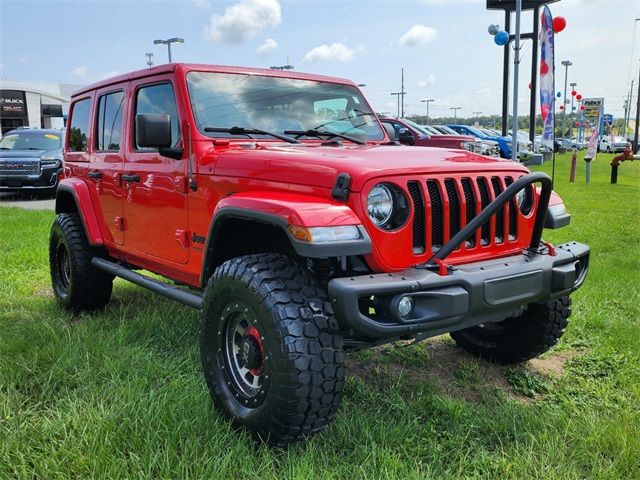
(592, 149)
(547, 80)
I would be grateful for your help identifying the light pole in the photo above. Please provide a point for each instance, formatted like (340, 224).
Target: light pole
(149, 59)
(168, 43)
(566, 64)
(427, 101)
(455, 113)
(477, 114)
(573, 86)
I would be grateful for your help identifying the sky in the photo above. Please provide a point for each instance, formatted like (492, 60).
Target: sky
(443, 45)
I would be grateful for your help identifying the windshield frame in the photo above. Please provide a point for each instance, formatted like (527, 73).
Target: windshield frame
(363, 109)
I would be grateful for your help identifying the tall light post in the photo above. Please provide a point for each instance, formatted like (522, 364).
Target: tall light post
(455, 113)
(427, 101)
(573, 86)
(149, 59)
(566, 64)
(477, 114)
(168, 43)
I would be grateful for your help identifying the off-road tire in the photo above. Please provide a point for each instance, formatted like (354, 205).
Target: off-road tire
(80, 286)
(303, 369)
(521, 338)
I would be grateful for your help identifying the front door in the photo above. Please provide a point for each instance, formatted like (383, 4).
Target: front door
(155, 203)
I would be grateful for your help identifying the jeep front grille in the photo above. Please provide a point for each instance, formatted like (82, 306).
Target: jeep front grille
(442, 207)
(19, 167)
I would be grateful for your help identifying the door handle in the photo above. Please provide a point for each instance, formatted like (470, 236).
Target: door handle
(95, 174)
(130, 177)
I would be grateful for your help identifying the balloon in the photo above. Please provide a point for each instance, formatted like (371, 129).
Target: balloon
(577, 124)
(559, 24)
(493, 29)
(529, 85)
(578, 97)
(501, 38)
(581, 107)
(573, 93)
(561, 107)
(559, 94)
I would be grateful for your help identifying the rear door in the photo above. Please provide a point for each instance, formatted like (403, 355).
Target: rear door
(107, 160)
(155, 203)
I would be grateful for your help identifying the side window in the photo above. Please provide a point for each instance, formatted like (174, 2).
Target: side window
(109, 121)
(159, 99)
(79, 127)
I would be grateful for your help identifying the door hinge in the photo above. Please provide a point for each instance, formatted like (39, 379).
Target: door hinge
(119, 223)
(182, 238)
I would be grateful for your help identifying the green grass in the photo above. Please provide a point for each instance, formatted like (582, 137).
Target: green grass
(120, 393)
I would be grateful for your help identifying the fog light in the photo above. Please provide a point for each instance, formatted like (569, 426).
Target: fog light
(405, 306)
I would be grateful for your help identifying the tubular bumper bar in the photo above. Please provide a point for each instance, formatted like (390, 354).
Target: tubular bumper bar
(469, 295)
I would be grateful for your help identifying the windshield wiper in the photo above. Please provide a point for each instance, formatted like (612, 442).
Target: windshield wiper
(250, 131)
(322, 133)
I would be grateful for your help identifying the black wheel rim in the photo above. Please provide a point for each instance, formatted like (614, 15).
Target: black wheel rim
(63, 267)
(243, 355)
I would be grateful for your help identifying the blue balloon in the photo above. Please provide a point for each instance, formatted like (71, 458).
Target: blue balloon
(559, 94)
(574, 107)
(501, 38)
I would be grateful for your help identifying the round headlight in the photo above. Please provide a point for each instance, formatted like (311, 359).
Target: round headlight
(380, 204)
(524, 198)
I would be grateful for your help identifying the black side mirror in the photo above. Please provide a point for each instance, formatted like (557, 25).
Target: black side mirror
(406, 137)
(153, 130)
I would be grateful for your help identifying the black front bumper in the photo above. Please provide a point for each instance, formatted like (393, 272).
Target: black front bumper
(468, 295)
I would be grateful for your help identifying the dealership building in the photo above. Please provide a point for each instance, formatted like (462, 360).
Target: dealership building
(34, 104)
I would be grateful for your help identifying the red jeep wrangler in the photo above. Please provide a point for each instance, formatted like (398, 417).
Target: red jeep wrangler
(276, 204)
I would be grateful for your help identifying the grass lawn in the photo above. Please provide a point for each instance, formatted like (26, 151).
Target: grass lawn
(120, 394)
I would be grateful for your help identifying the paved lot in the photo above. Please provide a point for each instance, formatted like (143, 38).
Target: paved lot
(29, 202)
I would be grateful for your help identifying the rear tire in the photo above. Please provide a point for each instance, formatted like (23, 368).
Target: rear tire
(77, 285)
(518, 339)
(271, 351)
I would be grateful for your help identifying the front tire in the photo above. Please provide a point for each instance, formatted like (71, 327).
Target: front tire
(518, 339)
(271, 351)
(77, 285)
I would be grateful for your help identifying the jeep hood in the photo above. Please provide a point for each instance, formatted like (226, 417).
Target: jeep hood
(318, 165)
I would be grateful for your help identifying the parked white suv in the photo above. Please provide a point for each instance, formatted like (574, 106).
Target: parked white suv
(612, 144)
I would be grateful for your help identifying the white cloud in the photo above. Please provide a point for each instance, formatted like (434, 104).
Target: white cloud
(81, 71)
(2, 65)
(201, 3)
(23, 60)
(268, 46)
(417, 35)
(244, 20)
(430, 80)
(336, 51)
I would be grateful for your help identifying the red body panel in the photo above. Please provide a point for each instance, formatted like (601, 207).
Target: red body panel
(294, 181)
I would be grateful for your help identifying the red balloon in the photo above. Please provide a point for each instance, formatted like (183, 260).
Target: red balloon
(577, 124)
(529, 85)
(578, 97)
(559, 24)
(573, 93)
(581, 107)
(561, 107)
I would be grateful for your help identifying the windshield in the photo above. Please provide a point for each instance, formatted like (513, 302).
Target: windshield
(420, 128)
(446, 130)
(30, 141)
(224, 100)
